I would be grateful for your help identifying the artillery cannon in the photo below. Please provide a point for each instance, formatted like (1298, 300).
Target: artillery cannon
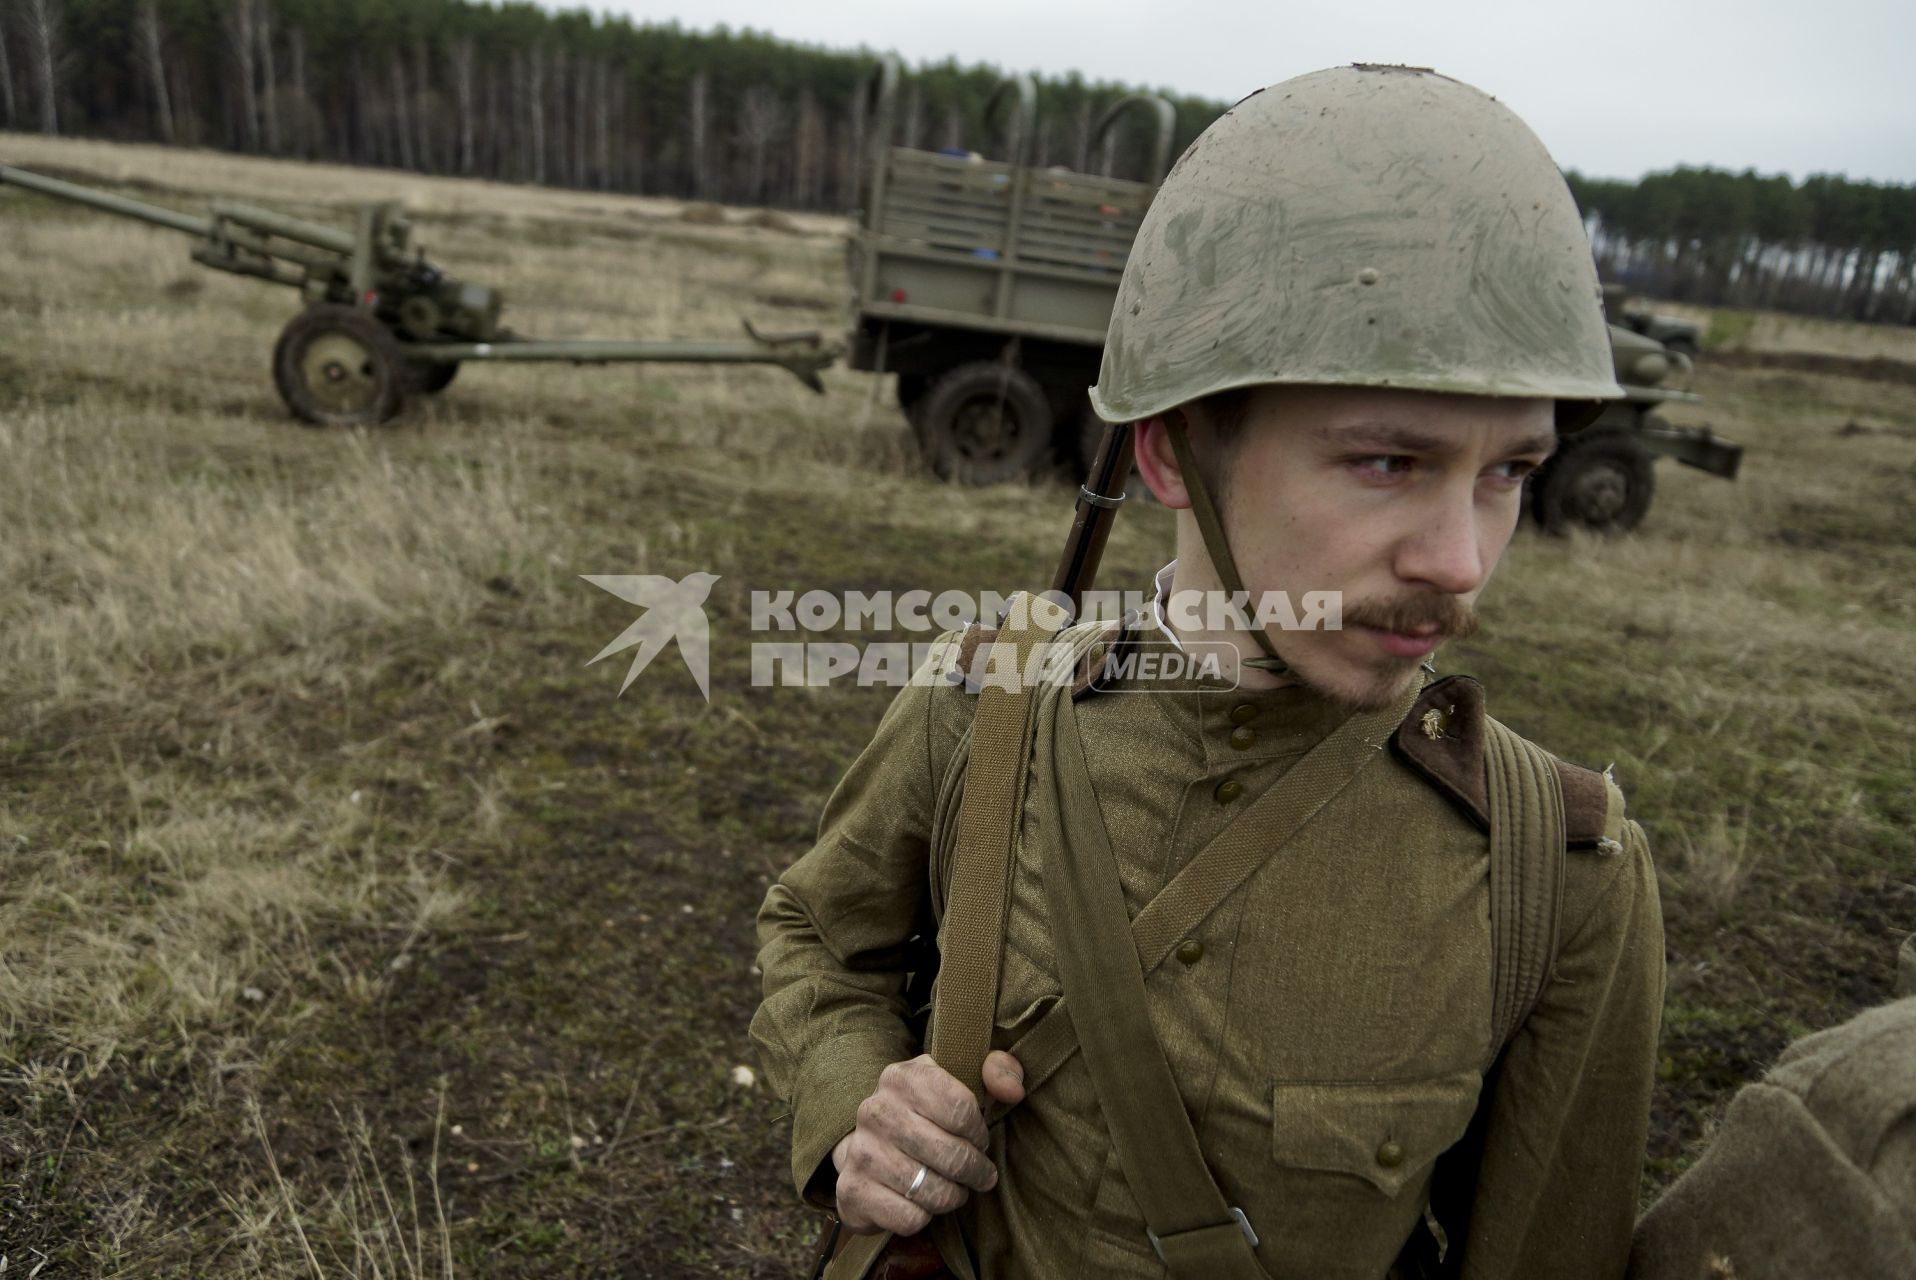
(383, 321)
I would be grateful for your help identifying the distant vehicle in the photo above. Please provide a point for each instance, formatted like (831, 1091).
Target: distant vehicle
(1603, 476)
(1680, 336)
(986, 286)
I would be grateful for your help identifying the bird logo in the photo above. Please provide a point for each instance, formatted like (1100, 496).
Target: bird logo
(673, 611)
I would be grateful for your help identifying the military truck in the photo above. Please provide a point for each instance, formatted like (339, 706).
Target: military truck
(985, 286)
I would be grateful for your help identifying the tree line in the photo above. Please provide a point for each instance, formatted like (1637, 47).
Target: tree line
(517, 93)
(1825, 246)
(512, 92)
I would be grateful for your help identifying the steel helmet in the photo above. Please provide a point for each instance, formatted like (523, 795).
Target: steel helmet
(1362, 226)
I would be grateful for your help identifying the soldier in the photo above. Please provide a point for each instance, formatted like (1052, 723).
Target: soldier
(1269, 951)
(1814, 1170)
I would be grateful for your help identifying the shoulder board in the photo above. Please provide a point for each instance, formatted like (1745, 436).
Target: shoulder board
(1442, 740)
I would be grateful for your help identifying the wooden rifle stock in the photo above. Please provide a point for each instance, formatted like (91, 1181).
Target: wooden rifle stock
(1098, 500)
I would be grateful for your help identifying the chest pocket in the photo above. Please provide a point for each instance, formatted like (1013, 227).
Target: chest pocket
(1387, 1133)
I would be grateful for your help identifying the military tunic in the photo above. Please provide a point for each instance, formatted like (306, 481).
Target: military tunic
(1328, 1026)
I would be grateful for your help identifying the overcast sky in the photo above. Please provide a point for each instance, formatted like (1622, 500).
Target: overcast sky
(1615, 88)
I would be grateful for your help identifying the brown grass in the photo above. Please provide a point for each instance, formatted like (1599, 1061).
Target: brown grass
(1812, 335)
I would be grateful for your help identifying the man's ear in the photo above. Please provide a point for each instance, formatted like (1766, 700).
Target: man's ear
(1158, 462)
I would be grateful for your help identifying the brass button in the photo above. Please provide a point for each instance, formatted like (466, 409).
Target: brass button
(1243, 713)
(1390, 1155)
(1228, 790)
(1242, 738)
(1190, 951)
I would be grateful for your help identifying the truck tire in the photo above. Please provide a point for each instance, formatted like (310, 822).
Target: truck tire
(1601, 479)
(911, 398)
(983, 423)
(337, 366)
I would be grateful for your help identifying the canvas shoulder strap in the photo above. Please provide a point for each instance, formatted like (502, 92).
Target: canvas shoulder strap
(1517, 792)
(1532, 806)
(971, 939)
(1524, 794)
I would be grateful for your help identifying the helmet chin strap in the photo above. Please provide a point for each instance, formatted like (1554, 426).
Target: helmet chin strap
(1215, 545)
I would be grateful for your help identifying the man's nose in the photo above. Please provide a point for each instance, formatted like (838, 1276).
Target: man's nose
(1446, 550)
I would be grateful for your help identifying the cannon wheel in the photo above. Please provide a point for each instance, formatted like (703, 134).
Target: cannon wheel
(338, 367)
(1600, 479)
(430, 377)
(983, 423)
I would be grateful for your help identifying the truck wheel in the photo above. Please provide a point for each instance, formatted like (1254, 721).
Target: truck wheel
(984, 423)
(1685, 347)
(430, 377)
(1600, 479)
(336, 366)
(911, 399)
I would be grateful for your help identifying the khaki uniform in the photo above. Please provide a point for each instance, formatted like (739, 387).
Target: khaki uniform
(1814, 1170)
(1328, 1026)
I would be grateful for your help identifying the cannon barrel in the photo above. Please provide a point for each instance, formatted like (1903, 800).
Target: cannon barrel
(103, 200)
(286, 228)
(802, 355)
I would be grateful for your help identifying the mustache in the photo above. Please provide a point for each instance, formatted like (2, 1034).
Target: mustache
(1453, 619)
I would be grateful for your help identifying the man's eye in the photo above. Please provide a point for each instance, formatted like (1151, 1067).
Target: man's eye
(1384, 464)
(1517, 469)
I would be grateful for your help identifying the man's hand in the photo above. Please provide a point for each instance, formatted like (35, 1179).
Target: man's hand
(919, 1116)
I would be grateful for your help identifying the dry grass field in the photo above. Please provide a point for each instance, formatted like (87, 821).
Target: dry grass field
(1768, 332)
(349, 924)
